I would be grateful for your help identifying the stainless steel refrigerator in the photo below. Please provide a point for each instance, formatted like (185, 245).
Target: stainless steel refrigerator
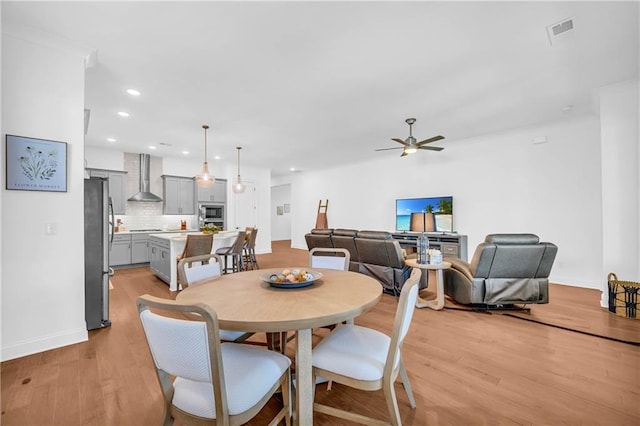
(98, 236)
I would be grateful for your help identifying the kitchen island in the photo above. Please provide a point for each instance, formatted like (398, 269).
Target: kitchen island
(164, 249)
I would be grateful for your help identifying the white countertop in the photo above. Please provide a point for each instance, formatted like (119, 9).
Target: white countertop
(164, 231)
(176, 243)
(183, 235)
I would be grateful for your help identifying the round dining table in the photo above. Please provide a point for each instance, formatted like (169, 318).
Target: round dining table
(245, 302)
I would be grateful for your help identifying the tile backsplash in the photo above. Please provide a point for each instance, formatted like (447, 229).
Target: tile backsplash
(154, 221)
(148, 215)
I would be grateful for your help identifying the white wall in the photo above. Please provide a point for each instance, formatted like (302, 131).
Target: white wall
(99, 158)
(499, 183)
(43, 276)
(281, 225)
(620, 183)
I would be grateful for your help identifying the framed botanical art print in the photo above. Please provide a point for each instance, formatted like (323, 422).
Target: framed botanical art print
(36, 164)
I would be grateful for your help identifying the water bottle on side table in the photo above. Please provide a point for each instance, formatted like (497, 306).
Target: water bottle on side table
(423, 249)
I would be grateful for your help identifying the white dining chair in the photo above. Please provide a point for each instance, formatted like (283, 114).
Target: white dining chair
(329, 258)
(215, 383)
(319, 257)
(367, 359)
(195, 245)
(198, 269)
(194, 270)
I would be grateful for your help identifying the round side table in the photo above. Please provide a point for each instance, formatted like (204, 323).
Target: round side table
(438, 302)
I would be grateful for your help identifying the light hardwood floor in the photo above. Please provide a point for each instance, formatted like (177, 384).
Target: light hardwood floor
(466, 368)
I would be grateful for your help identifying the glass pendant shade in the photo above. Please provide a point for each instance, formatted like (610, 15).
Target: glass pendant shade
(205, 179)
(238, 187)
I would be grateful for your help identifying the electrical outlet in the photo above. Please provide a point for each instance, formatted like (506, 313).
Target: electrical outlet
(50, 228)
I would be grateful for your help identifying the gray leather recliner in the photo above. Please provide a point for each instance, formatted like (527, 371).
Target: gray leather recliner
(506, 269)
(319, 238)
(344, 238)
(380, 257)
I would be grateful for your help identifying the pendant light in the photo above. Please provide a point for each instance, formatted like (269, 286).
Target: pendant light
(238, 186)
(205, 179)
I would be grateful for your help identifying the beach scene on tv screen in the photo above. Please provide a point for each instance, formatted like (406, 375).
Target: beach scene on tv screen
(441, 207)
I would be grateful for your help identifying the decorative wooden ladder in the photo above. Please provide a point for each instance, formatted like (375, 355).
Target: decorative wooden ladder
(321, 220)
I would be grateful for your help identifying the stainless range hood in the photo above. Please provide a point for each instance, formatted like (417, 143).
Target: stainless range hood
(145, 193)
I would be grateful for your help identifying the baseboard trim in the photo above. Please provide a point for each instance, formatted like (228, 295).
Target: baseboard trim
(44, 343)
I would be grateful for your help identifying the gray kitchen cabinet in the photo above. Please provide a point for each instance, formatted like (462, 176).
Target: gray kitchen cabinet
(139, 248)
(179, 195)
(117, 187)
(159, 258)
(120, 253)
(216, 193)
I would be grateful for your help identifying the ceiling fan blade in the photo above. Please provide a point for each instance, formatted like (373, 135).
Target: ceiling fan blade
(433, 139)
(399, 141)
(386, 149)
(404, 154)
(431, 148)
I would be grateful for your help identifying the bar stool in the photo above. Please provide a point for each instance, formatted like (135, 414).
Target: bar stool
(196, 245)
(250, 250)
(235, 251)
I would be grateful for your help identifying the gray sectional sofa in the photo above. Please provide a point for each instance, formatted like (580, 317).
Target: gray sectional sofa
(374, 253)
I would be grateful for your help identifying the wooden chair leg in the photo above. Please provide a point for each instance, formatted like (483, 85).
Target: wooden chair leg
(392, 402)
(406, 384)
(254, 259)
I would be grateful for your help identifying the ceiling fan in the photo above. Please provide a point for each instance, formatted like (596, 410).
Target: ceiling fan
(410, 145)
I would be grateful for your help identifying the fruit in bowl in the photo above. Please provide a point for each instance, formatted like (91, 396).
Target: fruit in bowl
(210, 229)
(291, 276)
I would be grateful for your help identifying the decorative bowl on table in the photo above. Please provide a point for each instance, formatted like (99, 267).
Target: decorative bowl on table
(290, 277)
(210, 229)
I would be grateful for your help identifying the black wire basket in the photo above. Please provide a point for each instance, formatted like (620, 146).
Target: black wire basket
(623, 297)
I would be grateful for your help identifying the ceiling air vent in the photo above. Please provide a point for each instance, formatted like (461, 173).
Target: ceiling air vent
(559, 30)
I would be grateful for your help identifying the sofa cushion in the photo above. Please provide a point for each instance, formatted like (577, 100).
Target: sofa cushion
(374, 235)
(322, 231)
(345, 232)
(512, 239)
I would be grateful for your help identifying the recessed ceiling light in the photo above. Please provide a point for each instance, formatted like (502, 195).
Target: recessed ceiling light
(111, 139)
(185, 152)
(123, 114)
(292, 169)
(216, 157)
(152, 147)
(133, 92)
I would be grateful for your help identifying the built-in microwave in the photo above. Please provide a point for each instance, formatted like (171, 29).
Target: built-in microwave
(211, 214)
(212, 211)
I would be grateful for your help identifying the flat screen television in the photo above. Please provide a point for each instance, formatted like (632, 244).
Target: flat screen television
(430, 214)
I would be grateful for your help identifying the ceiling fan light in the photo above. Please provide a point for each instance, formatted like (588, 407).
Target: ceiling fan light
(410, 149)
